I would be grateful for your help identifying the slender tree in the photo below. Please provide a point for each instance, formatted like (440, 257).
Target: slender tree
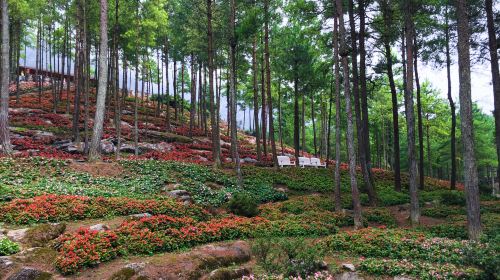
(495, 74)
(409, 111)
(337, 194)
(232, 89)
(95, 145)
(467, 128)
(350, 131)
(4, 82)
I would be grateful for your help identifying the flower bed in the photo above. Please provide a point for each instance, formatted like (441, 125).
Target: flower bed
(419, 269)
(153, 234)
(55, 208)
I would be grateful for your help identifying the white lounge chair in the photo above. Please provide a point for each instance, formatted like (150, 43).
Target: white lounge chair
(285, 161)
(304, 162)
(316, 162)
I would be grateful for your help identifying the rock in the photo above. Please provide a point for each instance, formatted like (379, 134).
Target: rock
(402, 277)
(171, 187)
(137, 267)
(178, 193)
(349, 276)
(69, 147)
(126, 125)
(250, 160)
(6, 263)
(227, 273)
(99, 227)
(159, 147)
(195, 263)
(126, 112)
(40, 235)
(202, 159)
(140, 216)
(127, 148)
(29, 273)
(348, 266)
(228, 159)
(107, 147)
(17, 235)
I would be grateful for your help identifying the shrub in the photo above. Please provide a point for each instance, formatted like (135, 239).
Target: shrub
(418, 269)
(288, 256)
(453, 198)
(243, 205)
(8, 247)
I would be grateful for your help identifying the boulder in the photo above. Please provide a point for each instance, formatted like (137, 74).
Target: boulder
(6, 263)
(250, 160)
(99, 227)
(349, 276)
(128, 148)
(402, 277)
(140, 216)
(178, 193)
(348, 266)
(29, 273)
(228, 273)
(17, 235)
(40, 235)
(136, 267)
(107, 147)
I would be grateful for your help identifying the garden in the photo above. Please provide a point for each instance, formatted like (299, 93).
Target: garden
(88, 223)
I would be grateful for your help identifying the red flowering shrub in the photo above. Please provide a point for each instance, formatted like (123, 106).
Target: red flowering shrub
(54, 208)
(85, 248)
(146, 236)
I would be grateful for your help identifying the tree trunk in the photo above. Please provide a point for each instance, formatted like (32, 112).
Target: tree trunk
(213, 110)
(358, 221)
(420, 120)
(268, 83)
(495, 75)
(470, 170)
(95, 145)
(337, 192)
(453, 179)
(387, 15)
(365, 129)
(192, 108)
(256, 99)
(357, 107)
(264, 109)
(296, 125)
(410, 117)
(4, 80)
(232, 91)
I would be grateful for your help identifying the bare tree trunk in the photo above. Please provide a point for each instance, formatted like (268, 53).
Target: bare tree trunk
(264, 109)
(337, 192)
(495, 74)
(419, 117)
(268, 83)
(167, 90)
(95, 145)
(213, 110)
(256, 99)
(365, 129)
(358, 222)
(232, 91)
(388, 21)
(357, 107)
(296, 124)
(453, 159)
(4, 80)
(192, 113)
(467, 128)
(410, 117)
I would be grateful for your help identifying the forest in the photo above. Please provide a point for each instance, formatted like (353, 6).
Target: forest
(253, 139)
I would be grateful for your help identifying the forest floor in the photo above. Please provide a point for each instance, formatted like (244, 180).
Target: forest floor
(164, 214)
